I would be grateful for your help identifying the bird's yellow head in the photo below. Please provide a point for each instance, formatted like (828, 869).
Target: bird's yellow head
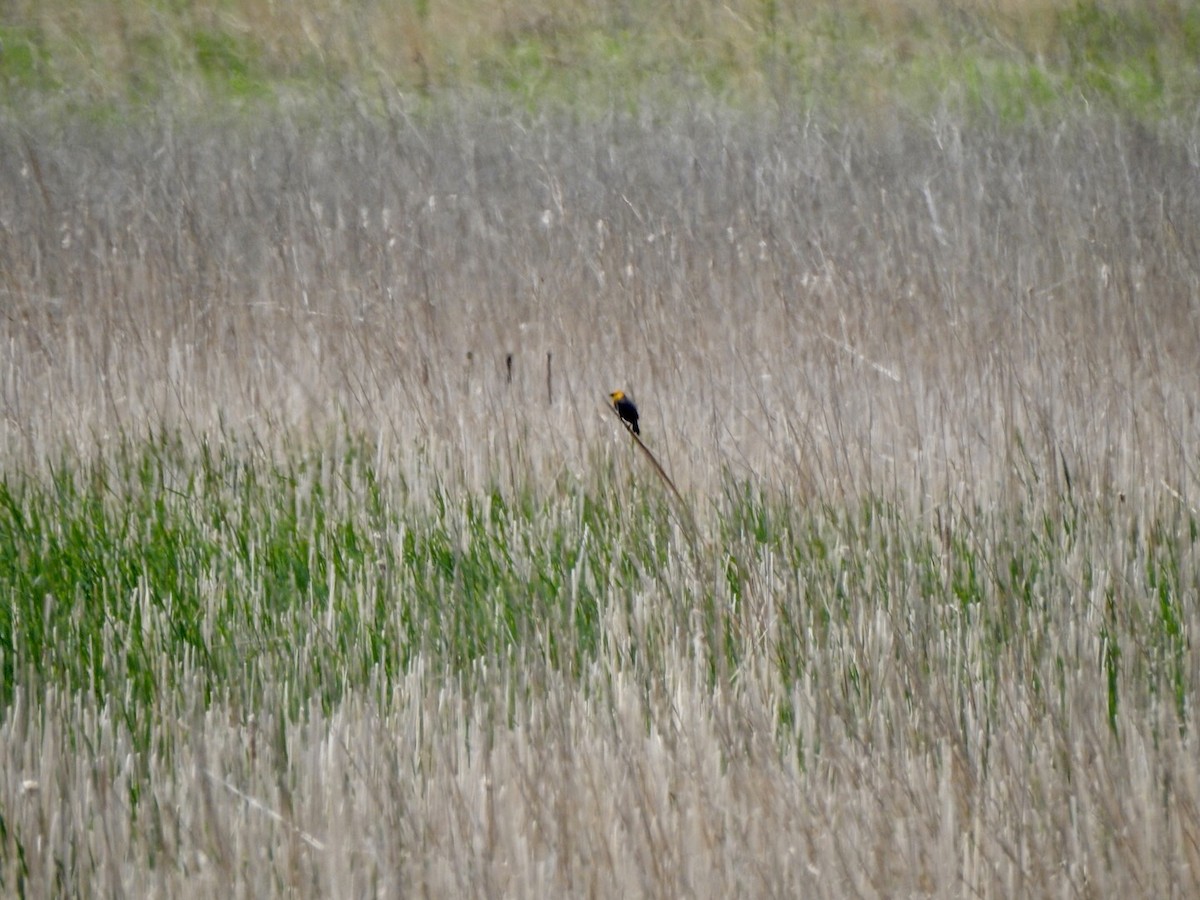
(617, 396)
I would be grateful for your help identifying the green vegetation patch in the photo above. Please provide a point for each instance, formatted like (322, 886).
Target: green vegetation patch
(158, 566)
(25, 62)
(229, 63)
(857, 57)
(120, 568)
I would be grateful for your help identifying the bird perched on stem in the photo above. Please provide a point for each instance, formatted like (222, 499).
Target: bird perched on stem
(625, 409)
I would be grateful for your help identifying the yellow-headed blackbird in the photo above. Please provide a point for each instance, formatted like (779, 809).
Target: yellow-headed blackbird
(625, 409)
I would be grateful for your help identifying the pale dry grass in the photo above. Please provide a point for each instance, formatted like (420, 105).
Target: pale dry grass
(612, 787)
(958, 319)
(912, 309)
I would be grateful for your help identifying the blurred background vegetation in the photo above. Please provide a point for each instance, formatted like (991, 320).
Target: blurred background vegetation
(1005, 58)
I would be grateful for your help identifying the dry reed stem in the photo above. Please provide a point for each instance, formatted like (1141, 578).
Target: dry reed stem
(682, 506)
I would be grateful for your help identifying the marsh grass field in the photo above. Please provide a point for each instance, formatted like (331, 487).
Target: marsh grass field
(329, 573)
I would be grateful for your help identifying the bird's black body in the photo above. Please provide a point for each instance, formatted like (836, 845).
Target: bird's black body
(626, 410)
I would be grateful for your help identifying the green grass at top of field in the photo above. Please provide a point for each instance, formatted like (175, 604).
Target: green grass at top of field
(1008, 59)
(159, 566)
